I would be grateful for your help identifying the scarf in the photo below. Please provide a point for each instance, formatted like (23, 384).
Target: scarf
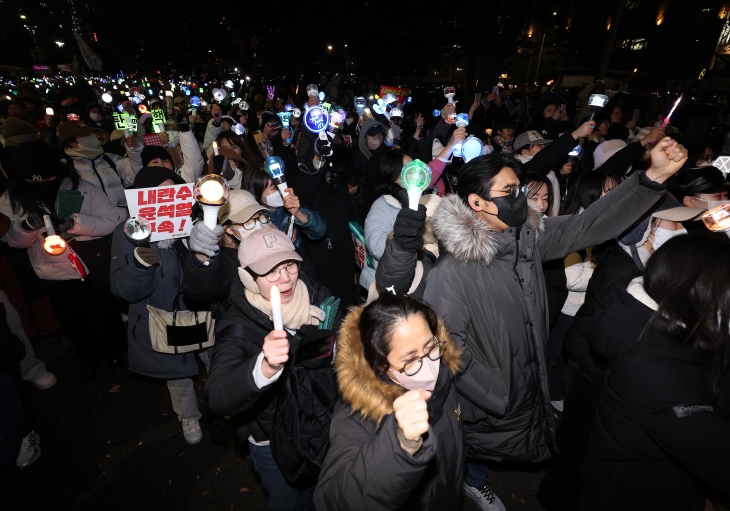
(296, 313)
(87, 147)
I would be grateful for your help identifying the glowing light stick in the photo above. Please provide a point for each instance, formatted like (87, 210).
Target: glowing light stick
(718, 219)
(312, 90)
(215, 148)
(106, 97)
(316, 119)
(674, 107)
(195, 103)
(415, 177)
(436, 112)
(471, 148)
(360, 103)
(596, 103)
(211, 191)
(219, 94)
(573, 155)
(138, 230)
(396, 115)
(285, 118)
(229, 84)
(120, 122)
(275, 300)
(244, 105)
(389, 98)
(49, 111)
(462, 121)
(274, 167)
(288, 107)
(321, 96)
(297, 113)
(53, 244)
(158, 120)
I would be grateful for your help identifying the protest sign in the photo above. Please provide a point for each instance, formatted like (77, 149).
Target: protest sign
(167, 208)
(399, 92)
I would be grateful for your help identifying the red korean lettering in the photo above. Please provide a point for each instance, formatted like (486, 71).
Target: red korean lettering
(166, 195)
(150, 199)
(184, 209)
(168, 211)
(184, 193)
(148, 213)
(166, 226)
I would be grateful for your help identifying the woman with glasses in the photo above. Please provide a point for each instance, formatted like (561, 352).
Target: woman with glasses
(396, 433)
(284, 210)
(250, 354)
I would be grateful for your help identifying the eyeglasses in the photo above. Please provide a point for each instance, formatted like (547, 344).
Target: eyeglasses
(263, 217)
(512, 191)
(432, 350)
(274, 275)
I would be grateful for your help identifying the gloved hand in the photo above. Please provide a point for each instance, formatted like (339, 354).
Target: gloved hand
(218, 162)
(65, 226)
(409, 225)
(323, 147)
(32, 222)
(393, 136)
(147, 256)
(203, 240)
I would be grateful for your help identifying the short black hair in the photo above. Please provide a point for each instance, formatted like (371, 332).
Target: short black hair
(477, 176)
(388, 173)
(587, 189)
(379, 320)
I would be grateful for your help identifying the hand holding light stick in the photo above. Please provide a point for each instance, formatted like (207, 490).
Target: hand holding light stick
(462, 121)
(596, 103)
(274, 167)
(138, 230)
(211, 191)
(674, 107)
(276, 308)
(285, 122)
(415, 176)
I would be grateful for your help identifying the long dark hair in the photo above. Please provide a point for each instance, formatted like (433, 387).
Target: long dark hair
(689, 277)
(234, 139)
(534, 182)
(26, 197)
(256, 181)
(587, 189)
(388, 173)
(380, 319)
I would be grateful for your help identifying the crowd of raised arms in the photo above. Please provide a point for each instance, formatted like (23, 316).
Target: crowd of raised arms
(389, 290)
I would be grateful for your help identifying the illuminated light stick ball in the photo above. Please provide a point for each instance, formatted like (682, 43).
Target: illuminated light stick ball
(471, 148)
(229, 84)
(360, 104)
(211, 191)
(573, 155)
(53, 244)
(106, 97)
(219, 94)
(274, 167)
(195, 103)
(462, 121)
(138, 230)
(285, 118)
(396, 115)
(436, 112)
(415, 177)
(297, 113)
(596, 103)
(316, 119)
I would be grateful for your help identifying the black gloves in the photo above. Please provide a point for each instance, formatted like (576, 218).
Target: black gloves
(32, 222)
(218, 162)
(323, 147)
(147, 256)
(409, 225)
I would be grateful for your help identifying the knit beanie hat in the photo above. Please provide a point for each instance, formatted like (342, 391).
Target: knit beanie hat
(15, 132)
(150, 152)
(149, 177)
(35, 161)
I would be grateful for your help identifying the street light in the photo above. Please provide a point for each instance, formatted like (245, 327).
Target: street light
(329, 47)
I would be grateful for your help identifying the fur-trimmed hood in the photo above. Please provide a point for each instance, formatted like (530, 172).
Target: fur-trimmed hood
(465, 236)
(360, 386)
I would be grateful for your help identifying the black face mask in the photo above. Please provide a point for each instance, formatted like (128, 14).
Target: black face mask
(512, 211)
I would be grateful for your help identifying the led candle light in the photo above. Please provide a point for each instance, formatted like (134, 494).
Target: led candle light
(274, 167)
(718, 219)
(49, 111)
(211, 191)
(276, 308)
(489, 132)
(415, 177)
(54, 244)
(138, 230)
(215, 148)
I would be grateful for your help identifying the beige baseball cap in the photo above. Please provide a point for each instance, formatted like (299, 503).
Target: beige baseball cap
(265, 249)
(241, 206)
(679, 214)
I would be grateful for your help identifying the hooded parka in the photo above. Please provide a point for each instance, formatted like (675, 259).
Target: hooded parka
(490, 291)
(366, 468)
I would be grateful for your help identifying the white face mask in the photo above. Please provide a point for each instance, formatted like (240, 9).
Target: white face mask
(87, 147)
(96, 117)
(662, 235)
(244, 233)
(275, 200)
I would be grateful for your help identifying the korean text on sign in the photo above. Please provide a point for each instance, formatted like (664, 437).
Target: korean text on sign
(167, 208)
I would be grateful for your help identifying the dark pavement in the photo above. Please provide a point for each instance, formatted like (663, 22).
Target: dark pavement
(121, 448)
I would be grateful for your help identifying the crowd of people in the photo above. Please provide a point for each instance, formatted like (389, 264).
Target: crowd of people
(553, 296)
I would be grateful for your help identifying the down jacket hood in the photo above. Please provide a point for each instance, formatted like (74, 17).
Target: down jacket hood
(360, 387)
(465, 236)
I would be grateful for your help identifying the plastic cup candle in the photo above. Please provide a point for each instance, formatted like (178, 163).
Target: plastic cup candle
(138, 230)
(211, 191)
(415, 177)
(718, 219)
(215, 148)
(54, 244)
(274, 167)
(276, 308)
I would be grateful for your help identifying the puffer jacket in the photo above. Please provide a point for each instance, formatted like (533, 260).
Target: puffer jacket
(96, 218)
(159, 286)
(490, 290)
(659, 441)
(366, 468)
(112, 182)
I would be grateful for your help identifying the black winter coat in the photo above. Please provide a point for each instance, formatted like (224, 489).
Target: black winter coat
(230, 388)
(366, 468)
(658, 436)
(490, 291)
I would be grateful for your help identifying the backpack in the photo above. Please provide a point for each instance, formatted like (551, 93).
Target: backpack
(300, 431)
